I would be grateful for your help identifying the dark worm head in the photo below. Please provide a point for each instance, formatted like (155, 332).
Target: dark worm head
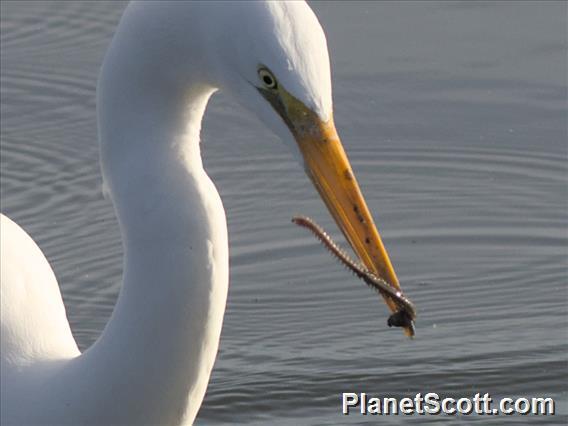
(400, 319)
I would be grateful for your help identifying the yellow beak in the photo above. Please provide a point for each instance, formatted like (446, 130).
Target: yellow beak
(328, 167)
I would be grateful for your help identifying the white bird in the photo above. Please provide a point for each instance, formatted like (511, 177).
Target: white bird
(152, 363)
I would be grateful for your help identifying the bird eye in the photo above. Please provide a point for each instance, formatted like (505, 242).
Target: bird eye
(267, 78)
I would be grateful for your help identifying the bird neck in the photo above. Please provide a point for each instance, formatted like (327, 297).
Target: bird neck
(157, 350)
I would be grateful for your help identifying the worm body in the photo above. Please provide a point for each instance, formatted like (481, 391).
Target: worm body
(406, 314)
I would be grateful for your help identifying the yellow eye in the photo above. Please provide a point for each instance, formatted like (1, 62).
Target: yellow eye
(267, 78)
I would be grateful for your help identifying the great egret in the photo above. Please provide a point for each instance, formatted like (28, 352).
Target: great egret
(152, 363)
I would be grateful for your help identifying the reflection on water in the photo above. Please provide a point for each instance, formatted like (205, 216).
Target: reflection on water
(454, 117)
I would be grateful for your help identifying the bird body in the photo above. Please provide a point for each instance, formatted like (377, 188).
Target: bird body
(152, 363)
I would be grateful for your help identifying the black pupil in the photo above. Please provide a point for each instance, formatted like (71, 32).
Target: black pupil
(267, 80)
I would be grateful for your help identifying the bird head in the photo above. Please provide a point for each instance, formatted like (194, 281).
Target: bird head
(277, 65)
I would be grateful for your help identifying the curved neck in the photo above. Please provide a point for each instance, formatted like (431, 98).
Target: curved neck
(157, 351)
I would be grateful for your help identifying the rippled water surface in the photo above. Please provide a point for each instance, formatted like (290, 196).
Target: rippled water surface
(454, 116)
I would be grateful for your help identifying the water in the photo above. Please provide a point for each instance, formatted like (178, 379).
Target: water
(454, 116)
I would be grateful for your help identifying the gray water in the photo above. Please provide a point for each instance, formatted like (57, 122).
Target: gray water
(454, 117)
